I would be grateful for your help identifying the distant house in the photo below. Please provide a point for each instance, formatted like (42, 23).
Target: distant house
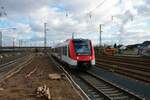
(123, 47)
(132, 46)
(140, 49)
(146, 48)
(146, 45)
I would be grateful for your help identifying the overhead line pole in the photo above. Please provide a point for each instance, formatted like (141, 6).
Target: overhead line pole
(13, 42)
(100, 38)
(45, 33)
(73, 35)
(0, 39)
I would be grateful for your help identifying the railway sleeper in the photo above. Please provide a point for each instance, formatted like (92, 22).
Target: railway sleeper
(100, 84)
(128, 65)
(146, 74)
(139, 61)
(97, 96)
(138, 77)
(108, 89)
(119, 70)
(103, 86)
(116, 94)
(109, 92)
(94, 93)
(121, 98)
(99, 99)
(90, 90)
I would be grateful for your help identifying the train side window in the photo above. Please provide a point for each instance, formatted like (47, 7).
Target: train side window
(62, 50)
(65, 50)
(59, 50)
(68, 53)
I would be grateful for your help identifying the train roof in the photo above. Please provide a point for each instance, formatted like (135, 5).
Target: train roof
(80, 39)
(67, 42)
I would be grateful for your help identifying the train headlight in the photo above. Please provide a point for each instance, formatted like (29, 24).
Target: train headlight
(77, 58)
(90, 57)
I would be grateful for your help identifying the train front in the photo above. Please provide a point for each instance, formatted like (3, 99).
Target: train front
(84, 53)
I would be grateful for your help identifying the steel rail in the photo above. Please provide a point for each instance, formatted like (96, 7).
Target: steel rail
(124, 64)
(128, 61)
(131, 94)
(15, 69)
(138, 75)
(10, 62)
(76, 87)
(9, 65)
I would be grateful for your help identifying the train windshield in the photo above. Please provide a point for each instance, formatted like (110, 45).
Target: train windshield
(82, 47)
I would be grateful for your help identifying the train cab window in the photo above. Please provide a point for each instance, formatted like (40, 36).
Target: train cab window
(82, 47)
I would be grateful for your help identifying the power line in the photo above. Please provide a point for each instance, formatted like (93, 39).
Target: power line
(0, 39)
(100, 4)
(89, 13)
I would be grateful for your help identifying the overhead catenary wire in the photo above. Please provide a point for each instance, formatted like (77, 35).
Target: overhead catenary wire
(89, 13)
(100, 4)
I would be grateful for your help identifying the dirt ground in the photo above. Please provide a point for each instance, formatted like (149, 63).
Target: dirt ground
(21, 87)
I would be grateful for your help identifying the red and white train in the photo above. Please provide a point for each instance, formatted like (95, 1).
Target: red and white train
(77, 53)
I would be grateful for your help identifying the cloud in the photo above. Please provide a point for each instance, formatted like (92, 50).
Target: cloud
(119, 18)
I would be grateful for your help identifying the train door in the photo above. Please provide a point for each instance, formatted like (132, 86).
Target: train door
(61, 52)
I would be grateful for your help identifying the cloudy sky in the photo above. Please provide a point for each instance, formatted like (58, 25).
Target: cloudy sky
(123, 21)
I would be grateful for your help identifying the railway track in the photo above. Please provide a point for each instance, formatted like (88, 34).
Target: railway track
(75, 86)
(99, 89)
(10, 57)
(130, 69)
(133, 60)
(134, 74)
(11, 62)
(127, 65)
(104, 90)
(12, 67)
